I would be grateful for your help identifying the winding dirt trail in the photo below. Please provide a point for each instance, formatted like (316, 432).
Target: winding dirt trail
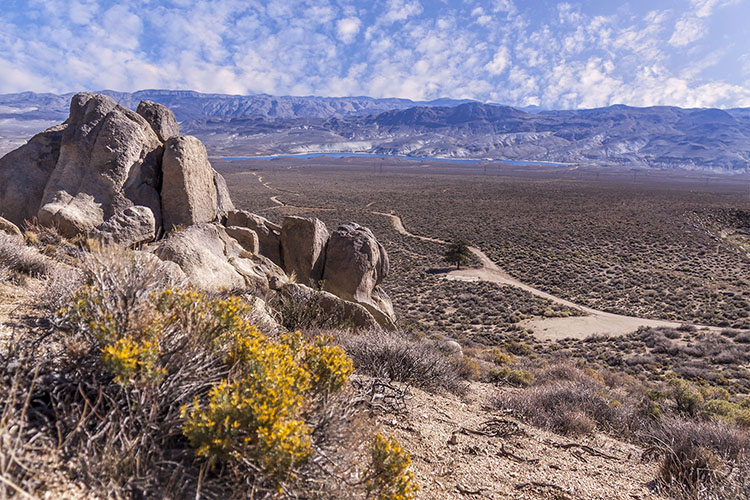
(595, 322)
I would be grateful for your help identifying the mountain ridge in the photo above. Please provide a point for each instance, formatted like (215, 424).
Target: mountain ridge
(664, 137)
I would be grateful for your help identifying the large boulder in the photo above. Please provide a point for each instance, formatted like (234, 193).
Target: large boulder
(303, 246)
(160, 118)
(130, 227)
(349, 312)
(24, 173)
(108, 161)
(247, 238)
(355, 264)
(269, 234)
(188, 191)
(214, 261)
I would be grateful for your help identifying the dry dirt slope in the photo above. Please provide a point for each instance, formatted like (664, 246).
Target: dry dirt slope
(462, 449)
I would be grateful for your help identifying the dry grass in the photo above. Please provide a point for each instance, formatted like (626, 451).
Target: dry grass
(18, 259)
(395, 356)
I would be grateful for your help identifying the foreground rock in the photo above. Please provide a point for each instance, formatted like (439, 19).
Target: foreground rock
(188, 190)
(24, 173)
(269, 234)
(214, 261)
(131, 227)
(355, 266)
(107, 162)
(303, 245)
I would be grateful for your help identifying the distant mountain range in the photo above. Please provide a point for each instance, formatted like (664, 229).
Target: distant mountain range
(659, 137)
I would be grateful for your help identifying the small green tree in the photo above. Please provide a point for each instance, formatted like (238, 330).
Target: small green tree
(458, 253)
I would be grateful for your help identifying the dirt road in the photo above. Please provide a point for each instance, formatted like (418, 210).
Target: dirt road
(594, 323)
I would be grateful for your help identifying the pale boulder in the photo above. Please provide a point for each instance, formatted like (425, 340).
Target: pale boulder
(355, 265)
(269, 234)
(161, 119)
(303, 246)
(188, 193)
(247, 238)
(214, 261)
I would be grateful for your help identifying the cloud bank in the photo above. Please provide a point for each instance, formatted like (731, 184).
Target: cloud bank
(520, 53)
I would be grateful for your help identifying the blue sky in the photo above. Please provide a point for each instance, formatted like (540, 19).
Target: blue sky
(689, 53)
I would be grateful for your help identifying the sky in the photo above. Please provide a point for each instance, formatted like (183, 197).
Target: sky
(556, 55)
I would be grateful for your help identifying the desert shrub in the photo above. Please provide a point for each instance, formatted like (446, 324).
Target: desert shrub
(182, 367)
(388, 476)
(519, 348)
(688, 400)
(689, 467)
(499, 357)
(16, 257)
(300, 312)
(394, 356)
(561, 407)
(505, 375)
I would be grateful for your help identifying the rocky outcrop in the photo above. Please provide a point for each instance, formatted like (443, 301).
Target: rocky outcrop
(105, 151)
(104, 159)
(24, 173)
(355, 265)
(214, 261)
(128, 178)
(269, 234)
(303, 246)
(160, 118)
(130, 227)
(188, 191)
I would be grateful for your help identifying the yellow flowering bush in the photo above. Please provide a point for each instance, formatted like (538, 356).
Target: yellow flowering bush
(389, 477)
(329, 366)
(256, 412)
(133, 360)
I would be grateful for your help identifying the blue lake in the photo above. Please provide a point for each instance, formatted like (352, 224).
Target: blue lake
(403, 157)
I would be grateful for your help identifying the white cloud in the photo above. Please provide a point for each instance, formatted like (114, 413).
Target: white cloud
(686, 31)
(348, 28)
(499, 62)
(401, 10)
(559, 56)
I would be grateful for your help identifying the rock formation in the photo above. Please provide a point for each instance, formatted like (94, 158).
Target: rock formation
(303, 245)
(355, 266)
(188, 189)
(105, 159)
(129, 178)
(269, 234)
